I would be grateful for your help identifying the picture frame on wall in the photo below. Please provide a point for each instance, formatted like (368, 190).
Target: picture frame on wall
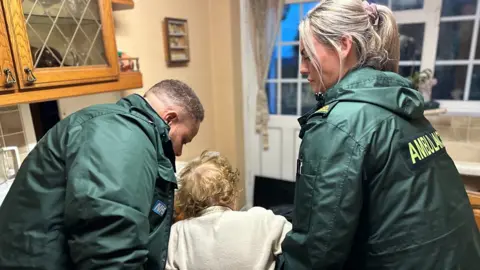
(176, 38)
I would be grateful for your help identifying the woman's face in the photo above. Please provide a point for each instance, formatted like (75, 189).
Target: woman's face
(329, 61)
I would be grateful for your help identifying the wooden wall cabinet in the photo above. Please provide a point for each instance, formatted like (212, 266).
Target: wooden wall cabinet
(48, 48)
(474, 198)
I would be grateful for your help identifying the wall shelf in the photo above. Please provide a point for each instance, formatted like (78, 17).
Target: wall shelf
(126, 80)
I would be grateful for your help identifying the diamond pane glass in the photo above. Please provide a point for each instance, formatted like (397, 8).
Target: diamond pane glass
(64, 32)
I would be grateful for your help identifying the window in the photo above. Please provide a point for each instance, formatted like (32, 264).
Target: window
(411, 40)
(456, 65)
(398, 5)
(288, 92)
(441, 35)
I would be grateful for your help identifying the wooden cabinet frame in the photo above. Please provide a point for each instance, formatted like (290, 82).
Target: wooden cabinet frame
(6, 61)
(47, 77)
(474, 198)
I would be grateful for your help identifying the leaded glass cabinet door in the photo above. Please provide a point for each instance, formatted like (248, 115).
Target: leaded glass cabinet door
(61, 42)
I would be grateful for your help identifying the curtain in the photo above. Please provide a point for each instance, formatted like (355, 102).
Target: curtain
(264, 19)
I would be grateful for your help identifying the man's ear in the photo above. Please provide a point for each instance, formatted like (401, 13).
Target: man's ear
(170, 116)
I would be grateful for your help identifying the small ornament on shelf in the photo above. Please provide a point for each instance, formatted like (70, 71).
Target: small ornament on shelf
(128, 63)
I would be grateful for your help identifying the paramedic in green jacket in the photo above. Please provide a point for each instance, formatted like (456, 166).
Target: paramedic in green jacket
(375, 186)
(97, 190)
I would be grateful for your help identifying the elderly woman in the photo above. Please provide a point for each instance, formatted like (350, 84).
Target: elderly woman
(375, 186)
(212, 236)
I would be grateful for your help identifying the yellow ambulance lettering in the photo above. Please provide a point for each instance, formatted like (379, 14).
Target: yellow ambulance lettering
(424, 146)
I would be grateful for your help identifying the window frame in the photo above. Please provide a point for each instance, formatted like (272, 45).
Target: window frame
(430, 15)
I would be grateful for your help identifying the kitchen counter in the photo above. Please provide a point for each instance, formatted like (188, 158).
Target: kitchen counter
(468, 168)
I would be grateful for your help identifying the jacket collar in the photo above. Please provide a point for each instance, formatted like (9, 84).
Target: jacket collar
(214, 209)
(304, 118)
(384, 89)
(136, 103)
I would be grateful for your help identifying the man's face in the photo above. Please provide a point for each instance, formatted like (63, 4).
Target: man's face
(182, 131)
(183, 128)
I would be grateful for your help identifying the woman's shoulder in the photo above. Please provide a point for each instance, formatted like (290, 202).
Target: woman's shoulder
(258, 210)
(263, 214)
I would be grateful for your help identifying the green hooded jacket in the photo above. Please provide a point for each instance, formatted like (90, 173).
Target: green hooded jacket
(95, 193)
(375, 186)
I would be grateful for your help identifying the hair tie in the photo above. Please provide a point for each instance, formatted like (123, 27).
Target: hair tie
(372, 12)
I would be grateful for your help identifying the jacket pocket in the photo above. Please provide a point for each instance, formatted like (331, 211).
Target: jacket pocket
(304, 186)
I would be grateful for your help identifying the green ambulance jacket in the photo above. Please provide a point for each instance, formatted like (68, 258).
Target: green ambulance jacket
(95, 193)
(375, 186)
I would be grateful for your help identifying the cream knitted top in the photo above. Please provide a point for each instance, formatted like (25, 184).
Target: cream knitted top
(221, 239)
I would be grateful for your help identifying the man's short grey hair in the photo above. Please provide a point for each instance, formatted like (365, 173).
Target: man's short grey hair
(175, 92)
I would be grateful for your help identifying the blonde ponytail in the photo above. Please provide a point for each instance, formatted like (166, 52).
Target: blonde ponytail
(388, 31)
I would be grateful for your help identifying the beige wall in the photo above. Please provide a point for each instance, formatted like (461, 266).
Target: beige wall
(214, 71)
(140, 33)
(67, 106)
(227, 81)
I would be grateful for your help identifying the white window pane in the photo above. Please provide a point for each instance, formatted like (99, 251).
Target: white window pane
(289, 98)
(454, 40)
(290, 22)
(271, 89)
(308, 6)
(475, 86)
(477, 49)
(408, 71)
(407, 4)
(450, 82)
(411, 41)
(458, 7)
(289, 61)
(308, 98)
(272, 70)
(380, 2)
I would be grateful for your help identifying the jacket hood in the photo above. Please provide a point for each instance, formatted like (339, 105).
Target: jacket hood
(384, 89)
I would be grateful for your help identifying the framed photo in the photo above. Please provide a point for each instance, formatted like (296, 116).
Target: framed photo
(176, 38)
